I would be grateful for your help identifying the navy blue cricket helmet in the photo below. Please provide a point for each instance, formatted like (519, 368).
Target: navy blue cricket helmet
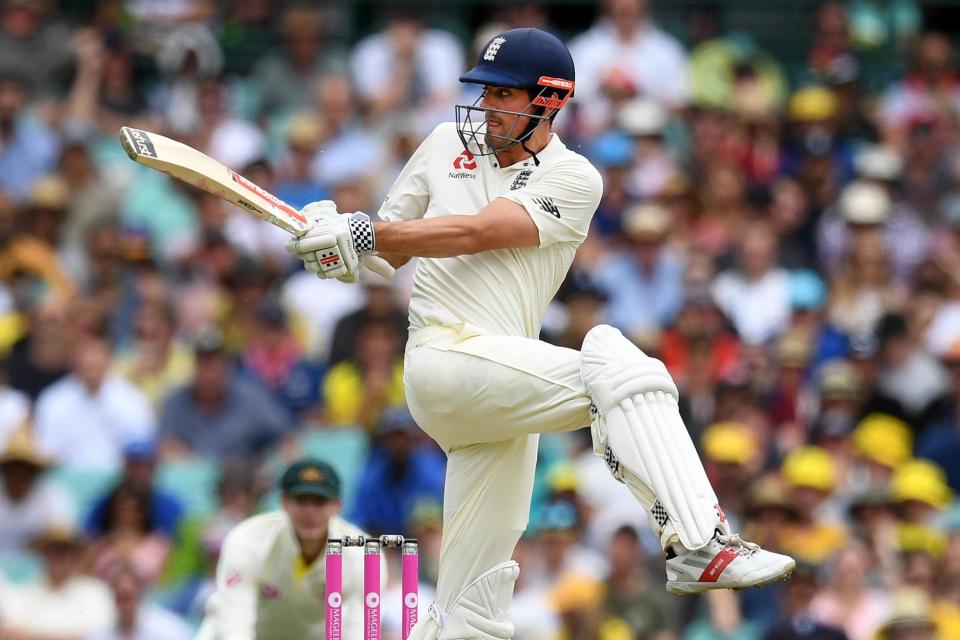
(525, 58)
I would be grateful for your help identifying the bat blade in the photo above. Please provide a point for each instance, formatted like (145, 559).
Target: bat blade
(194, 167)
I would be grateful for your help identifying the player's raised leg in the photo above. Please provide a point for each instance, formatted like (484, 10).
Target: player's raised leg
(639, 431)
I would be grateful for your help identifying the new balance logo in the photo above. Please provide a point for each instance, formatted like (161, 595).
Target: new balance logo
(521, 180)
(493, 48)
(465, 161)
(547, 205)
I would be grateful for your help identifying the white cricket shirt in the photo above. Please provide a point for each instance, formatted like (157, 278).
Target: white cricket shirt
(506, 291)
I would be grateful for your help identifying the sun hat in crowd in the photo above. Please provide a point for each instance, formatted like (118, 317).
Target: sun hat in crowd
(812, 104)
(878, 162)
(810, 467)
(730, 442)
(909, 610)
(643, 117)
(839, 379)
(646, 221)
(864, 202)
(883, 439)
(21, 447)
(921, 481)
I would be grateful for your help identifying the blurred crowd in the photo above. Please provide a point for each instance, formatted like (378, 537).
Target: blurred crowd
(784, 236)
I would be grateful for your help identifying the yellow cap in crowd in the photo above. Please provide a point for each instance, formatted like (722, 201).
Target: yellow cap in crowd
(730, 442)
(810, 467)
(883, 439)
(923, 481)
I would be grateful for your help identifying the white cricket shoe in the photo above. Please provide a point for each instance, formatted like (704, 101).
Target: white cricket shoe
(726, 562)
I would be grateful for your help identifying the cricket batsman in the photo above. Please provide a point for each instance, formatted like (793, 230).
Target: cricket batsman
(495, 207)
(270, 577)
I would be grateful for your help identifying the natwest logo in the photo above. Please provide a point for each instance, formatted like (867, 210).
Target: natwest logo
(465, 161)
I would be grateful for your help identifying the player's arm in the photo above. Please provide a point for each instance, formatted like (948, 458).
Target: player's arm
(502, 224)
(232, 609)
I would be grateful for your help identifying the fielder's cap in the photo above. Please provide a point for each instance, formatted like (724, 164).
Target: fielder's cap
(878, 162)
(642, 117)
(21, 447)
(311, 477)
(646, 221)
(865, 203)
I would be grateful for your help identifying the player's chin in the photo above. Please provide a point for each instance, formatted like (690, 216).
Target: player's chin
(494, 141)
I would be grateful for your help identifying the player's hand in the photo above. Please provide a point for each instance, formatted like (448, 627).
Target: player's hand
(333, 246)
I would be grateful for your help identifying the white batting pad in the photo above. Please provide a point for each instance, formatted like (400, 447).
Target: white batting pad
(642, 433)
(481, 611)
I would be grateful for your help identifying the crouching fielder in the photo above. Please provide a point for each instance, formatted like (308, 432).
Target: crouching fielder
(270, 577)
(496, 206)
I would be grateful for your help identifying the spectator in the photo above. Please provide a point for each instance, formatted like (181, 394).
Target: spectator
(645, 280)
(380, 305)
(910, 379)
(29, 503)
(585, 304)
(731, 455)
(796, 621)
(165, 509)
(138, 619)
(42, 355)
(866, 210)
(654, 167)
(927, 94)
(65, 604)
(811, 477)
(739, 292)
(15, 406)
(126, 535)
(217, 414)
(400, 473)
(848, 602)
(294, 184)
(157, 362)
(407, 66)
(30, 147)
(92, 202)
(643, 607)
(275, 360)
(35, 45)
(356, 391)
(626, 54)
(940, 442)
(86, 419)
(303, 60)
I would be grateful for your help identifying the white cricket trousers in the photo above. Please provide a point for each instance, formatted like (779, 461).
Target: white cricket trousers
(485, 399)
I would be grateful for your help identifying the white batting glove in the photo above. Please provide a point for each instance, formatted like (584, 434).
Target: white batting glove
(333, 246)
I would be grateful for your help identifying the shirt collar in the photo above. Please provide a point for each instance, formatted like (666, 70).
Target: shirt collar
(553, 149)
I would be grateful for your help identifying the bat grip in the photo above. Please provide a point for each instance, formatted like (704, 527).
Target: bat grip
(378, 265)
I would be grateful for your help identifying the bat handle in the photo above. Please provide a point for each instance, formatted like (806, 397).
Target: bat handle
(378, 265)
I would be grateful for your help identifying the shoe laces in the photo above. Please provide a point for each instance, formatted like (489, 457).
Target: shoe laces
(742, 547)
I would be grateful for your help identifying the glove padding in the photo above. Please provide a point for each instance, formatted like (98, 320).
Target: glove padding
(334, 244)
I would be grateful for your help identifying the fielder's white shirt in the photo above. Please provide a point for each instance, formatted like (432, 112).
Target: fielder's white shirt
(261, 594)
(506, 291)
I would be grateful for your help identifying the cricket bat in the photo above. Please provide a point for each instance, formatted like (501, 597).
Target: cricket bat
(194, 167)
